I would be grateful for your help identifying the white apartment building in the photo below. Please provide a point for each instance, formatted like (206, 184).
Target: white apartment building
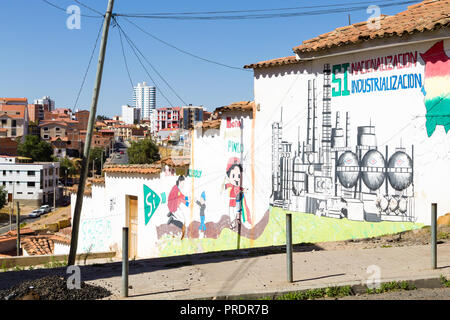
(131, 115)
(48, 103)
(144, 98)
(29, 183)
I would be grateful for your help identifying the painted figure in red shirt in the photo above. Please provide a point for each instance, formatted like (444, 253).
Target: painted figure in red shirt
(175, 199)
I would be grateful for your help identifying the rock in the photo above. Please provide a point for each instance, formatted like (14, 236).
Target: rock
(444, 220)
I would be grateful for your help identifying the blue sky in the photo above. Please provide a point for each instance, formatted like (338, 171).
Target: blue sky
(41, 56)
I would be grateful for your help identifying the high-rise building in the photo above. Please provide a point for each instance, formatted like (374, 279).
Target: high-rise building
(46, 102)
(131, 115)
(144, 98)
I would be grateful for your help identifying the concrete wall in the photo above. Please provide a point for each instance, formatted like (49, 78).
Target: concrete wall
(398, 115)
(244, 144)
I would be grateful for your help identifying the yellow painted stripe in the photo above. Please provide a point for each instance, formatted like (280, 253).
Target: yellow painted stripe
(437, 86)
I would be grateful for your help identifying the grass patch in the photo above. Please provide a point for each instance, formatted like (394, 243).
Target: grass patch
(392, 286)
(443, 235)
(311, 294)
(445, 282)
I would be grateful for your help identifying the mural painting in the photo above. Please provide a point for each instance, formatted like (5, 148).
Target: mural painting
(437, 88)
(237, 205)
(174, 202)
(96, 235)
(329, 177)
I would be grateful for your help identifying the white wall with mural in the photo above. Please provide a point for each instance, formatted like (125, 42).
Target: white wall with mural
(353, 145)
(360, 136)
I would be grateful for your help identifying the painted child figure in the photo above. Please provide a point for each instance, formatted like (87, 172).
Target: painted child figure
(236, 194)
(202, 204)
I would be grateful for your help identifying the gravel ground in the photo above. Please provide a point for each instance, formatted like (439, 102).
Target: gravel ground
(418, 294)
(53, 288)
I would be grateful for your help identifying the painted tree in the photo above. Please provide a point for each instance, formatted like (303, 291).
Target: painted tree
(142, 152)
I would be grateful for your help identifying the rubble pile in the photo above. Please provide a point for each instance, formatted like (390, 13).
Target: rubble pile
(53, 288)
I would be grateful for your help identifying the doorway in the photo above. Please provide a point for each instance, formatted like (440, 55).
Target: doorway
(132, 204)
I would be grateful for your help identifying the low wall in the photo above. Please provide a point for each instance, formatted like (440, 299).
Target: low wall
(43, 259)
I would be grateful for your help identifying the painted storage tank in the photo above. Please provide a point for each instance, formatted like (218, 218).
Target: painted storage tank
(372, 169)
(400, 172)
(348, 169)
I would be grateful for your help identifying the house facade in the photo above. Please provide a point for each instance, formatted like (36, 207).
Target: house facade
(29, 183)
(349, 135)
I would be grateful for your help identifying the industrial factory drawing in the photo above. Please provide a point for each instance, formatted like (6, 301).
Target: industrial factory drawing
(327, 176)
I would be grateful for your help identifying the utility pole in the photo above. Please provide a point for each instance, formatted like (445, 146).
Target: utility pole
(87, 145)
(18, 229)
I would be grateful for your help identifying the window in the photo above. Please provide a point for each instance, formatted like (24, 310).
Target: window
(57, 128)
(45, 136)
(4, 172)
(19, 192)
(31, 173)
(45, 128)
(30, 192)
(14, 123)
(31, 184)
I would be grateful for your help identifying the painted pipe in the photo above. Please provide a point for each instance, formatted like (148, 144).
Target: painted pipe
(289, 247)
(125, 262)
(433, 236)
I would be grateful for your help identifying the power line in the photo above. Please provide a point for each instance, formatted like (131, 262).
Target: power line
(143, 66)
(65, 11)
(123, 54)
(255, 10)
(86, 6)
(89, 64)
(184, 51)
(151, 65)
(261, 16)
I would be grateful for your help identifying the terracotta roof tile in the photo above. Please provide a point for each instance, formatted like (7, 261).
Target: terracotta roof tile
(211, 124)
(420, 17)
(133, 168)
(38, 245)
(237, 106)
(273, 62)
(98, 180)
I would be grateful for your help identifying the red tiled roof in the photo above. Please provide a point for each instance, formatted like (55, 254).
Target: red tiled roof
(273, 62)
(424, 16)
(211, 124)
(133, 168)
(38, 245)
(420, 17)
(11, 110)
(5, 100)
(237, 106)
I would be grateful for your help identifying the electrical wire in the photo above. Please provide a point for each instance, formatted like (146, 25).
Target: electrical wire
(124, 57)
(184, 51)
(89, 64)
(92, 9)
(263, 16)
(151, 65)
(257, 10)
(65, 11)
(143, 66)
